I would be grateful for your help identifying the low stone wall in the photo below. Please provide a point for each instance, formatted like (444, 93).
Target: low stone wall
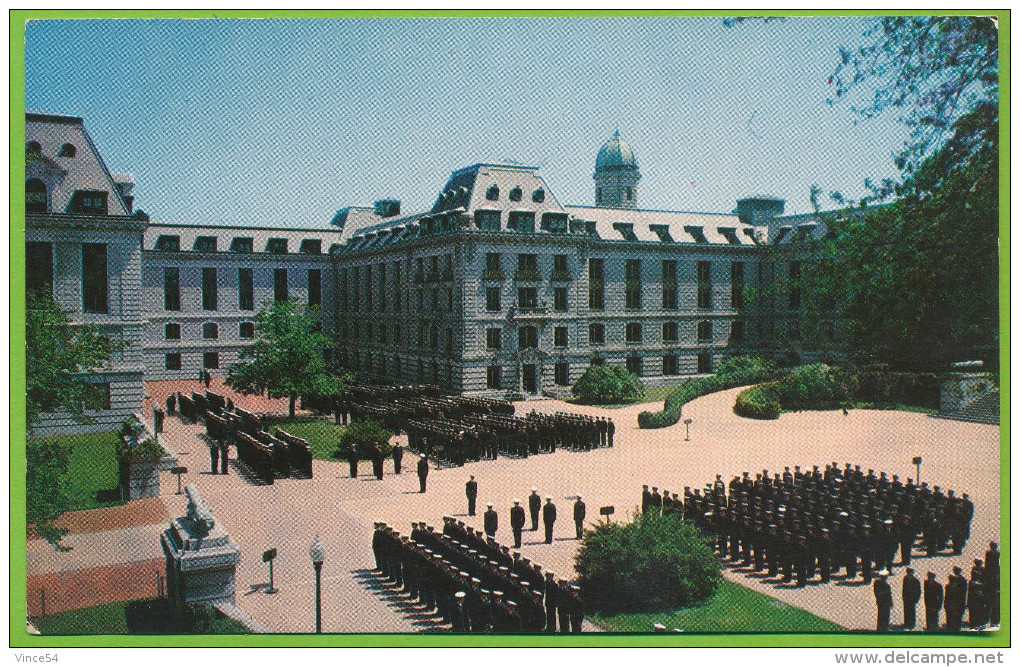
(960, 389)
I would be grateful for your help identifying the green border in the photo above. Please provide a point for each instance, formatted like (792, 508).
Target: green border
(20, 638)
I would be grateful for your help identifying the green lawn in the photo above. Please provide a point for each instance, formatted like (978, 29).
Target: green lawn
(650, 394)
(733, 608)
(122, 618)
(322, 434)
(92, 469)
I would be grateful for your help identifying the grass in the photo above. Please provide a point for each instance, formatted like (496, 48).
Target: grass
(650, 394)
(322, 435)
(733, 609)
(92, 470)
(137, 617)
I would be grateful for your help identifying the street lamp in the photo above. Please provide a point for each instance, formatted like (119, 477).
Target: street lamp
(317, 551)
(687, 423)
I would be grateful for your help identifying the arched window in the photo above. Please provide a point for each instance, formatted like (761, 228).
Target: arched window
(33, 147)
(68, 150)
(36, 200)
(515, 194)
(538, 196)
(492, 194)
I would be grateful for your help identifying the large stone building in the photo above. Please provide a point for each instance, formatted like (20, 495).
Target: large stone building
(498, 288)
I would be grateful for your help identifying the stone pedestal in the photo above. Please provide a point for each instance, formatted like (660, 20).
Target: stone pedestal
(201, 560)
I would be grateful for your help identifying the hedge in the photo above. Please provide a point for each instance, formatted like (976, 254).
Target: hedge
(731, 373)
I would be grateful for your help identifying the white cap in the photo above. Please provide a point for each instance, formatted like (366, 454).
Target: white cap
(548, 497)
(488, 505)
(517, 501)
(534, 489)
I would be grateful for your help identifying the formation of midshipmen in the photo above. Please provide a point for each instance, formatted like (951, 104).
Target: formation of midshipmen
(473, 582)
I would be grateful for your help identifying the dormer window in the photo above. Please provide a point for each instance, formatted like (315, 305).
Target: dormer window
(311, 247)
(554, 223)
(244, 244)
(697, 232)
(488, 221)
(626, 230)
(276, 246)
(33, 148)
(88, 202)
(522, 221)
(730, 234)
(36, 200)
(492, 194)
(662, 231)
(538, 196)
(205, 244)
(67, 150)
(167, 243)
(515, 194)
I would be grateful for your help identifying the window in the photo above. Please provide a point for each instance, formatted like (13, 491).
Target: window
(493, 377)
(246, 330)
(704, 362)
(67, 150)
(554, 223)
(280, 285)
(596, 288)
(493, 262)
(449, 300)
(168, 243)
(173, 361)
(634, 365)
(669, 284)
(245, 289)
(314, 287)
(172, 331)
(493, 339)
(538, 196)
(737, 285)
(210, 330)
(205, 244)
(559, 263)
(527, 298)
(311, 247)
(209, 295)
(633, 284)
(736, 331)
(39, 268)
(793, 330)
(633, 332)
(276, 246)
(527, 337)
(629, 193)
(669, 332)
(527, 267)
(435, 299)
(88, 202)
(449, 340)
(669, 364)
(521, 221)
(492, 194)
(560, 336)
(382, 288)
(396, 334)
(36, 200)
(626, 230)
(243, 244)
(492, 299)
(488, 221)
(211, 360)
(704, 284)
(794, 286)
(368, 289)
(597, 361)
(515, 194)
(560, 299)
(171, 288)
(596, 333)
(705, 331)
(561, 374)
(94, 285)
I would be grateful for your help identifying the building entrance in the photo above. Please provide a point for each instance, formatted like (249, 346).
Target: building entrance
(530, 380)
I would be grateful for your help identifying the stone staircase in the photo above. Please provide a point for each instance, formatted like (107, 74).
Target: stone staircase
(982, 410)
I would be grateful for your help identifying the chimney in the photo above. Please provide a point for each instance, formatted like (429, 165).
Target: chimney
(387, 208)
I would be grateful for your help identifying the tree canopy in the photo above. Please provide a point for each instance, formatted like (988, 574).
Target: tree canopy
(285, 361)
(607, 383)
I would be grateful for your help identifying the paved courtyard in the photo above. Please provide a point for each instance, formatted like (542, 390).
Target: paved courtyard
(288, 514)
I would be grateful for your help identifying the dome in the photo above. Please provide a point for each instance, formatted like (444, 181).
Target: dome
(615, 154)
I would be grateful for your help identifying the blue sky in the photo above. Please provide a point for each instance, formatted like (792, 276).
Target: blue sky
(267, 121)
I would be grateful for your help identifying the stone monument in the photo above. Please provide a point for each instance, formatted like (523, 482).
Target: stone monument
(201, 560)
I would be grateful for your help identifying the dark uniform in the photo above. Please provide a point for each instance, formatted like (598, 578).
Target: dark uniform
(517, 522)
(352, 461)
(377, 461)
(579, 512)
(471, 490)
(955, 600)
(932, 602)
(883, 598)
(534, 507)
(423, 473)
(911, 596)
(491, 520)
(214, 456)
(398, 456)
(548, 519)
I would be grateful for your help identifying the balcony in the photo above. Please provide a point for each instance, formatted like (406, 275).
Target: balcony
(494, 275)
(528, 275)
(561, 277)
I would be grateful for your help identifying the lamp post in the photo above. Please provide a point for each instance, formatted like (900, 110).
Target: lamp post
(317, 551)
(687, 423)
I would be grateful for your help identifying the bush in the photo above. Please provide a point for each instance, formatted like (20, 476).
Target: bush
(362, 435)
(607, 384)
(654, 563)
(732, 372)
(759, 402)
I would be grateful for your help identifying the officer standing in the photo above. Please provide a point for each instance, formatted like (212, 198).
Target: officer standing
(579, 512)
(883, 598)
(611, 429)
(352, 460)
(534, 506)
(911, 596)
(423, 473)
(932, 602)
(955, 600)
(549, 518)
(377, 460)
(992, 582)
(398, 457)
(214, 456)
(224, 450)
(471, 490)
(517, 522)
(491, 521)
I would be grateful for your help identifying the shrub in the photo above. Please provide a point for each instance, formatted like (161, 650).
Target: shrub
(654, 563)
(759, 402)
(733, 372)
(607, 384)
(362, 435)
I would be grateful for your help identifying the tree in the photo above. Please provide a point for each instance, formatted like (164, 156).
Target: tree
(46, 488)
(285, 361)
(607, 384)
(654, 563)
(58, 356)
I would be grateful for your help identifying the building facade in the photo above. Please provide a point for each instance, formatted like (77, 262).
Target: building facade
(497, 289)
